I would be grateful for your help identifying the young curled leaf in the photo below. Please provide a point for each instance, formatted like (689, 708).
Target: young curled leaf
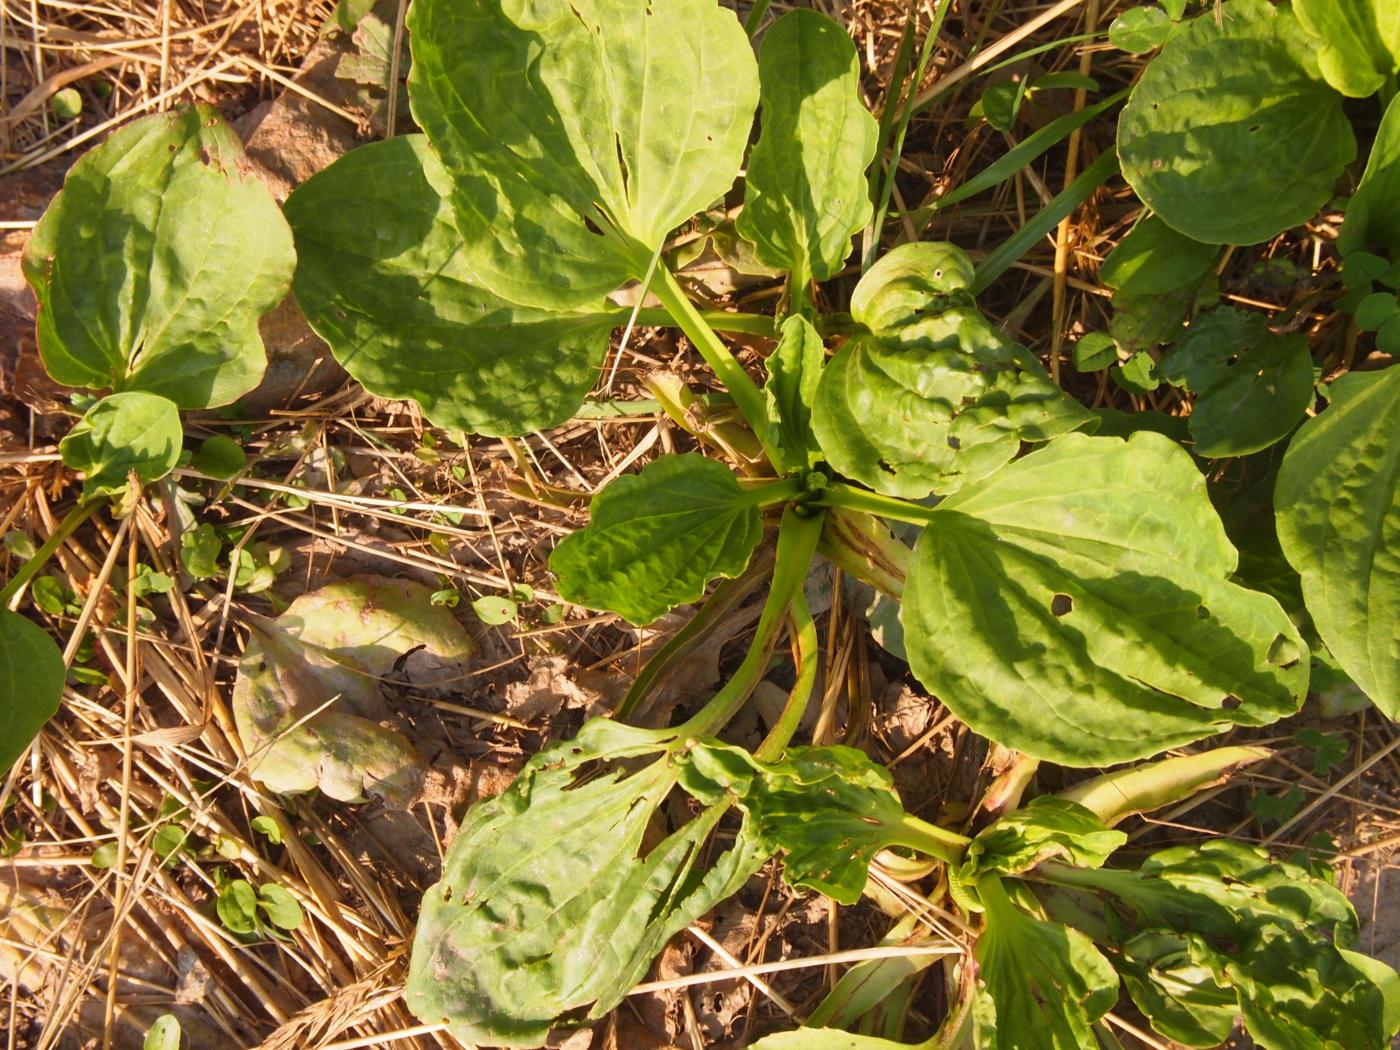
(936, 404)
(655, 539)
(794, 370)
(1045, 828)
(911, 281)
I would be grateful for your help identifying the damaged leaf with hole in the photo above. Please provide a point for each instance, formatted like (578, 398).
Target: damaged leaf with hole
(311, 702)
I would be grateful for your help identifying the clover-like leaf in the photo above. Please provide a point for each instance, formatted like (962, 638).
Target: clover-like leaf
(1041, 985)
(1252, 386)
(1046, 827)
(127, 433)
(940, 403)
(155, 261)
(655, 539)
(1077, 606)
(551, 897)
(1360, 41)
(805, 187)
(31, 684)
(578, 134)
(794, 370)
(1373, 214)
(1231, 136)
(307, 700)
(1338, 506)
(383, 277)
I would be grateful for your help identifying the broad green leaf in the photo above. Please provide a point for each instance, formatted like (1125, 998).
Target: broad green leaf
(794, 370)
(155, 261)
(830, 809)
(805, 189)
(1360, 41)
(1041, 985)
(1094, 351)
(1077, 606)
(1338, 505)
(655, 539)
(121, 434)
(1154, 258)
(237, 907)
(31, 684)
(1141, 29)
(1251, 385)
(941, 403)
(1141, 322)
(384, 278)
(307, 700)
(1045, 828)
(911, 281)
(552, 897)
(1373, 215)
(578, 135)
(1261, 930)
(1230, 135)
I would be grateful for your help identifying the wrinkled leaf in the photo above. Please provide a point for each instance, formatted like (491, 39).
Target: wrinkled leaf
(552, 899)
(1041, 985)
(155, 261)
(794, 370)
(655, 539)
(1251, 385)
(911, 281)
(1077, 606)
(1338, 506)
(562, 119)
(384, 278)
(1360, 41)
(805, 187)
(1261, 930)
(124, 433)
(830, 809)
(1230, 135)
(1153, 258)
(1170, 979)
(31, 684)
(1046, 827)
(1373, 214)
(944, 404)
(324, 658)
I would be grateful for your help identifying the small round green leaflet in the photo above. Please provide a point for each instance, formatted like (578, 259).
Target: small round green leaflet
(122, 434)
(31, 684)
(67, 104)
(1140, 29)
(1338, 506)
(164, 1034)
(495, 610)
(1251, 385)
(1077, 606)
(219, 457)
(1231, 136)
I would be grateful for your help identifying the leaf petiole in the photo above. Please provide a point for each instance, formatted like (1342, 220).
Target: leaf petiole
(804, 632)
(743, 389)
(848, 497)
(797, 544)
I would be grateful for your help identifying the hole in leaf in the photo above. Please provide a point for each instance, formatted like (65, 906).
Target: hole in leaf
(1230, 702)
(1256, 127)
(1232, 359)
(1061, 605)
(954, 443)
(1282, 651)
(593, 227)
(1202, 613)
